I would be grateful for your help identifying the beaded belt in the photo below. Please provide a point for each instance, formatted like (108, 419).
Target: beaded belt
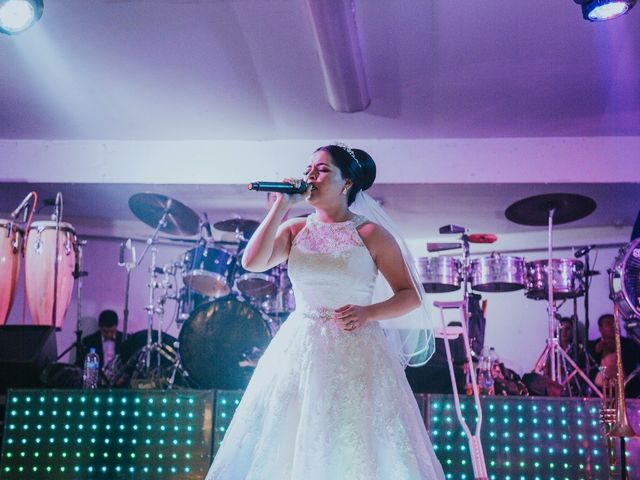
(323, 313)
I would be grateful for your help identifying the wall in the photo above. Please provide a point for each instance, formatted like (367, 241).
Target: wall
(516, 326)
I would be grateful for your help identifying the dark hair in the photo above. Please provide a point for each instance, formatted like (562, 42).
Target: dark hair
(108, 318)
(566, 320)
(361, 172)
(603, 317)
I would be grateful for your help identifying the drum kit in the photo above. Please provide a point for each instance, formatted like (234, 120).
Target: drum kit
(566, 279)
(227, 315)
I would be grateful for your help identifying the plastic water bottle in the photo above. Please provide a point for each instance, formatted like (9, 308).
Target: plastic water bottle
(91, 370)
(485, 379)
(494, 362)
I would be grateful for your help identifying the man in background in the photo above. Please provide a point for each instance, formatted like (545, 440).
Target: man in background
(107, 340)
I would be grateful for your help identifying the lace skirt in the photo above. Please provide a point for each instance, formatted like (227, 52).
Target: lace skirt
(326, 404)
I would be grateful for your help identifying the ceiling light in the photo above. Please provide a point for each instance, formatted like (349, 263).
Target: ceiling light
(336, 34)
(18, 15)
(600, 10)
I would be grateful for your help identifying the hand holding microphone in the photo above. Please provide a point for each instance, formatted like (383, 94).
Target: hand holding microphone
(290, 188)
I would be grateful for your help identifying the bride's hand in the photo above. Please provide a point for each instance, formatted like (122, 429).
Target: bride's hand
(350, 317)
(290, 199)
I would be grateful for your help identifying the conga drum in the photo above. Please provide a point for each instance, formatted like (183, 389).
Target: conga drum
(11, 238)
(39, 269)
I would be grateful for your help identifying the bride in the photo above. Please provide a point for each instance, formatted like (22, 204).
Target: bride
(329, 399)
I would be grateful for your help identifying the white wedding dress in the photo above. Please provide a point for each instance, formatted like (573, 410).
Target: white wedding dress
(325, 404)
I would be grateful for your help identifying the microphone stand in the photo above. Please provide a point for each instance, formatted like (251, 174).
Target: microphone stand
(587, 284)
(77, 274)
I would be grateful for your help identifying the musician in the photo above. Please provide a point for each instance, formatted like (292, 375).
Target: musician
(565, 339)
(107, 340)
(603, 349)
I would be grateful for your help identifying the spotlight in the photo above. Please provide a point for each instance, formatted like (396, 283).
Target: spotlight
(18, 15)
(600, 10)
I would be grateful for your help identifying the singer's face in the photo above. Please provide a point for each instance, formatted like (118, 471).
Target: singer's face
(325, 178)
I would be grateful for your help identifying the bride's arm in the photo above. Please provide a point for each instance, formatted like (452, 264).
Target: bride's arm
(271, 242)
(388, 258)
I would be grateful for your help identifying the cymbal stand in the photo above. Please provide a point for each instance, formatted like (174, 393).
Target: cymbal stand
(552, 351)
(150, 308)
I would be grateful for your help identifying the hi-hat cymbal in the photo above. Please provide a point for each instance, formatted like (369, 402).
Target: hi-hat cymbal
(567, 207)
(240, 225)
(151, 207)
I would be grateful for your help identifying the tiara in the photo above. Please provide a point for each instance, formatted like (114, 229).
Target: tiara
(346, 148)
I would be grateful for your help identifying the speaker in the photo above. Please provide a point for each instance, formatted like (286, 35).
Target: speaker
(25, 351)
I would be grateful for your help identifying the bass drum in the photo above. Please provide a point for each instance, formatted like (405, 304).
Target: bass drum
(222, 341)
(624, 280)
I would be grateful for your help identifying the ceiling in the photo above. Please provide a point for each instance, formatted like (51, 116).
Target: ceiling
(249, 70)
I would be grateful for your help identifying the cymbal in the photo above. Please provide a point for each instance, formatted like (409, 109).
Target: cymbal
(150, 208)
(242, 225)
(535, 210)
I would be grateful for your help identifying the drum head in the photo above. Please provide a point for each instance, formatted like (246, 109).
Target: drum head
(220, 343)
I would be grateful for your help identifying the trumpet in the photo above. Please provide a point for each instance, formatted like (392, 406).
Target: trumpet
(613, 414)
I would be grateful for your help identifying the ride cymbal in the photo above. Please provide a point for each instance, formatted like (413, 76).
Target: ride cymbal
(151, 207)
(567, 207)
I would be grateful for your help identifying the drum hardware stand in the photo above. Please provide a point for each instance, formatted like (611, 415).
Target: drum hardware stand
(78, 274)
(475, 443)
(552, 351)
(57, 216)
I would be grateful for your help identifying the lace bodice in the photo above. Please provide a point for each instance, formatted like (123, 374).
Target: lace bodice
(330, 265)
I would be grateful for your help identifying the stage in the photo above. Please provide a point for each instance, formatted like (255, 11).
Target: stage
(140, 434)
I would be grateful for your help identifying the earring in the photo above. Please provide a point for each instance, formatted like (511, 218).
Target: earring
(344, 191)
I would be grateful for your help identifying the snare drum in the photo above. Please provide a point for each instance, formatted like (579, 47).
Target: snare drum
(439, 274)
(497, 273)
(39, 270)
(11, 238)
(256, 284)
(208, 270)
(567, 275)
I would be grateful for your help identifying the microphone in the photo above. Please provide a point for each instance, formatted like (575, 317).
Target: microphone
(280, 187)
(121, 258)
(126, 245)
(583, 251)
(57, 214)
(22, 205)
(206, 225)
